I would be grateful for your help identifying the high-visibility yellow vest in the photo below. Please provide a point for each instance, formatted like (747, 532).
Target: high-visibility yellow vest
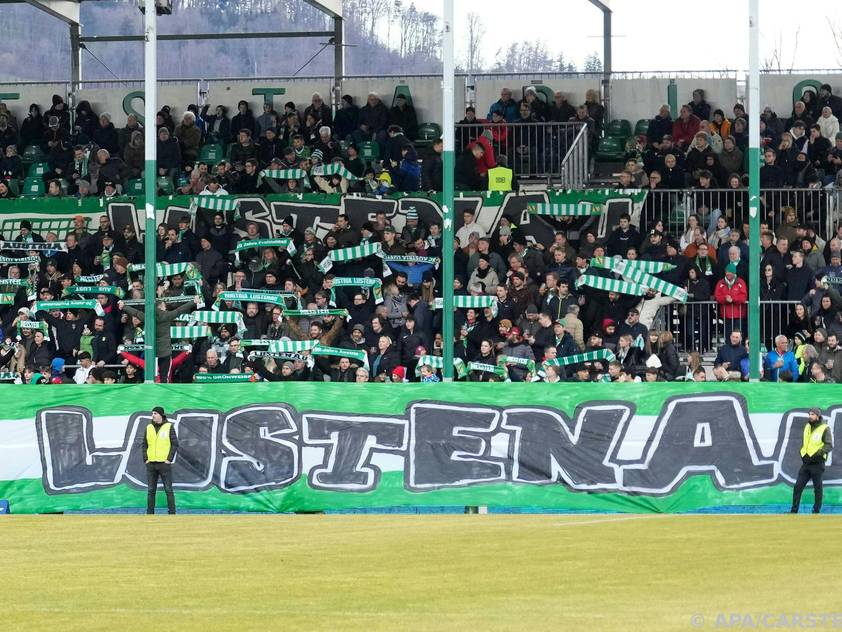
(499, 179)
(158, 442)
(813, 441)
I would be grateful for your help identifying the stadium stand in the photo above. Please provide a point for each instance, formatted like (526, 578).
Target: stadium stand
(359, 303)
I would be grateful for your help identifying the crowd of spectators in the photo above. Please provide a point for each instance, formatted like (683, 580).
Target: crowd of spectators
(540, 314)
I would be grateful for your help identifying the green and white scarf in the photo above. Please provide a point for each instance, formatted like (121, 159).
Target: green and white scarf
(211, 378)
(617, 264)
(503, 360)
(112, 290)
(284, 174)
(69, 304)
(11, 261)
(213, 203)
(489, 368)
(246, 296)
(637, 272)
(610, 285)
(577, 209)
(39, 246)
(8, 376)
(340, 255)
(370, 283)
(437, 362)
(90, 279)
(435, 261)
(190, 332)
(184, 298)
(254, 342)
(254, 244)
(298, 313)
(579, 358)
(169, 269)
(7, 298)
(35, 325)
(470, 302)
(360, 356)
(333, 169)
(291, 346)
(218, 318)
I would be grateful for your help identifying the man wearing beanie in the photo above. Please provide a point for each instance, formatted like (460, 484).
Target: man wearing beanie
(160, 444)
(816, 445)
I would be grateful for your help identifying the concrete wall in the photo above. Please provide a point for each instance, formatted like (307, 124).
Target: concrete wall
(632, 99)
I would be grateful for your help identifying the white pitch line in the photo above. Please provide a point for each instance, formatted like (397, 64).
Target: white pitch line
(623, 519)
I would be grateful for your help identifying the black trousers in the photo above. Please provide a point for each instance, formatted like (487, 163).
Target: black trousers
(809, 471)
(164, 369)
(164, 472)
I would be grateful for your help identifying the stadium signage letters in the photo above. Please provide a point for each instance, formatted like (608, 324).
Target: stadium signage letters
(437, 445)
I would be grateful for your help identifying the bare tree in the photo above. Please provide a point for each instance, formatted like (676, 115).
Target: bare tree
(836, 32)
(774, 61)
(476, 31)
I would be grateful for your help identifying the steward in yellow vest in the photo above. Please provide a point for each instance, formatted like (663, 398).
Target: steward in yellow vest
(816, 445)
(160, 444)
(501, 178)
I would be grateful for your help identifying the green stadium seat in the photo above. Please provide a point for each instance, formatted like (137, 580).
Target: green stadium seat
(135, 186)
(404, 90)
(611, 149)
(641, 127)
(38, 169)
(369, 151)
(619, 128)
(31, 154)
(33, 187)
(165, 185)
(427, 133)
(211, 154)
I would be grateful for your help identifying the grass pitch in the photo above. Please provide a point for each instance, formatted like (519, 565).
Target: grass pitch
(431, 572)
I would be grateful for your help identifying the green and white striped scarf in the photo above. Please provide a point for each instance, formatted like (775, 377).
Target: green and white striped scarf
(371, 283)
(503, 360)
(577, 209)
(246, 343)
(610, 285)
(35, 325)
(435, 261)
(184, 298)
(169, 269)
(112, 290)
(437, 362)
(638, 342)
(579, 358)
(178, 332)
(360, 356)
(8, 376)
(218, 318)
(333, 169)
(9, 261)
(26, 283)
(489, 368)
(470, 302)
(253, 244)
(283, 174)
(652, 282)
(214, 202)
(618, 264)
(69, 304)
(213, 378)
(341, 255)
(291, 346)
(7, 298)
(246, 296)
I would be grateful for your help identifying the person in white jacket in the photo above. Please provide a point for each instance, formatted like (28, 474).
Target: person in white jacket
(828, 124)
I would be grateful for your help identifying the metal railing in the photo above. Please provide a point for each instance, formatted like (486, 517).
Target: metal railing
(819, 208)
(533, 150)
(575, 166)
(702, 327)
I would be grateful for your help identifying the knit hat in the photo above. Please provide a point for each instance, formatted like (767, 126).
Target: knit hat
(411, 213)
(288, 220)
(160, 411)
(800, 336)
(398, 372)
(731, 267)
(26, 224)
(816, 411)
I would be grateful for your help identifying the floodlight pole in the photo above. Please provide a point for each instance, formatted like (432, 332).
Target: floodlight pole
(150, 87)
(447, 200)
(754, 190)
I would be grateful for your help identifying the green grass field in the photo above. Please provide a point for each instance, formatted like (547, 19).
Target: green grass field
(429, 572)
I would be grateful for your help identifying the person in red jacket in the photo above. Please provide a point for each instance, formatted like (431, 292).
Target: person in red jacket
(685, 127)
(487, 161)
(732, 294)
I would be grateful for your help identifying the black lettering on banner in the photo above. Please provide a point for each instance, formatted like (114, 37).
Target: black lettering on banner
(195, 462)
(361, 210)
(731, 452)
(544, 449)
(260, 448)
(349, 443)
(319, 217)
(70, 461)
(450, 446)
(790, 439)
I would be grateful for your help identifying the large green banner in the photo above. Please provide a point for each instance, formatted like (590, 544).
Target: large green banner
(308, 447)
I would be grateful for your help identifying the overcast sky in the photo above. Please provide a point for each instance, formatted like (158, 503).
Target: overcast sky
(660, 34)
